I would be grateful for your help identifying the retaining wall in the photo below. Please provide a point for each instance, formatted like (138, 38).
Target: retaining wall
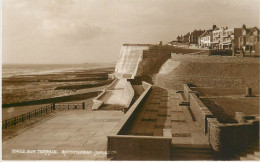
(140, 147)
(128, 147)
(224, 138)
(145, 85)
(229, 138)
(200, 111)
(210, 71)
(186, 92)
(96, 102)
(109, 87)
(128, 94)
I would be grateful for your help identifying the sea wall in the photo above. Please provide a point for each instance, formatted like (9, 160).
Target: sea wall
(209, 71)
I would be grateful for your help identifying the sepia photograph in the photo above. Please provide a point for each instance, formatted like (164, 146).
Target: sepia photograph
(130, 80)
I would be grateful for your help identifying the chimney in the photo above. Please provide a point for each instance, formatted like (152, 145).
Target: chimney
(214, 27)
(244, 26)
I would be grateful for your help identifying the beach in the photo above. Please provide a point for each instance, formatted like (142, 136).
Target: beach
(26, 89)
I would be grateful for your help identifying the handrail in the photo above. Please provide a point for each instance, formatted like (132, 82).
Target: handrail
(39, 112)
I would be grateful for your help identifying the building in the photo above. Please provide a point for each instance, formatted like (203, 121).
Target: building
(185, 38)
(249, 39)
(205, 39)
(194, 36)
(179, 39)
(224, 38)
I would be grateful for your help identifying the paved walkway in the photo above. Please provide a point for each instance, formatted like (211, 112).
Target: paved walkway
(162, 111)
(73, 130)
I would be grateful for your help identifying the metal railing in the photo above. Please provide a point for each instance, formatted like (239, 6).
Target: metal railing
(39, 112)
(69, 106)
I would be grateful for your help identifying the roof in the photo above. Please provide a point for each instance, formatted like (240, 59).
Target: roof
(206, 33)
(252, 30)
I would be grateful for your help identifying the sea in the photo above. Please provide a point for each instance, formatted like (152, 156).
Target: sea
(11, 70)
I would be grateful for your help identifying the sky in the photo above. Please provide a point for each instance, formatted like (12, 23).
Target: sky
(81, 31)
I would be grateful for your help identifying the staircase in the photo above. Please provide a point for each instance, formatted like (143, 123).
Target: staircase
(191, 152)
(249, 153)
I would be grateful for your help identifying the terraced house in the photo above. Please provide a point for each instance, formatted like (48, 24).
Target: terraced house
(224, 37)
(249, 39)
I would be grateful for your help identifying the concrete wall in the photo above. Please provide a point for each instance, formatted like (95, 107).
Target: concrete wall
(199, 110)
(140, 147)
(129, 117)
(128, 94)
(146, 85)
(186, 92)
(229, 138)
(109, 87)
(96, 102)
(127, 147)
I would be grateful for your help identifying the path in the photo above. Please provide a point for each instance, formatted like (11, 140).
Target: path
(75, 130)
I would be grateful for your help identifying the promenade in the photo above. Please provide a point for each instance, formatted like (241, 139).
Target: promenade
(70, 131)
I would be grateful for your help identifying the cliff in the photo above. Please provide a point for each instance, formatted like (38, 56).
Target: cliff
(142, 61)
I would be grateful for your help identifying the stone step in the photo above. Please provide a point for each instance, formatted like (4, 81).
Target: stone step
(205, 155)
(190, 147)
(200, 151)
(189, 157)
(253, 156)
(246, 158)
(257, 153)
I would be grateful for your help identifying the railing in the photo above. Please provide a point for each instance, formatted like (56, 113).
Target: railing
(39, 112)
(22, 118)
(70, 106)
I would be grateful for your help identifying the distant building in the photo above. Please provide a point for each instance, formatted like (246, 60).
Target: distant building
(194, 36)
(206, 38)
(249, 39)
(179, 39)
(186, 37)
(224, 37)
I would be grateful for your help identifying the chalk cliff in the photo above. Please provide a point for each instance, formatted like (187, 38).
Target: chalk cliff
(141, 61)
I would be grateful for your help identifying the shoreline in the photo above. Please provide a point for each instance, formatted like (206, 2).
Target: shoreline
(25, 90)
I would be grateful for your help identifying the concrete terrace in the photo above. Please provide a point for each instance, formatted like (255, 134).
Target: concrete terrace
(75, 130)
(162, 111)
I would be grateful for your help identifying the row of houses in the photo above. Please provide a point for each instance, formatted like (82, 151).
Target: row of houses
(223, 38)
